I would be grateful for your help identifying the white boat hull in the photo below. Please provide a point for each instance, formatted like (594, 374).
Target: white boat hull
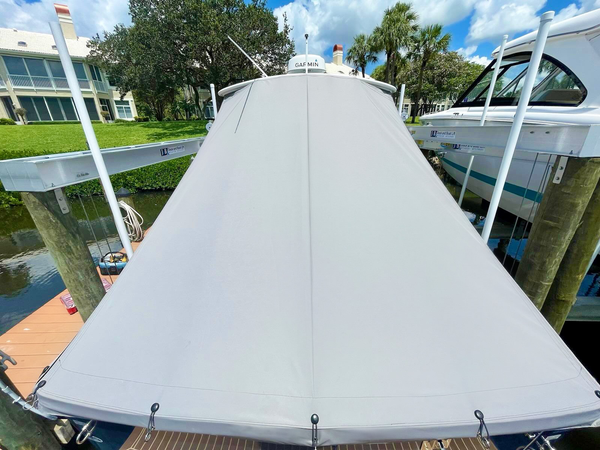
(524, 188)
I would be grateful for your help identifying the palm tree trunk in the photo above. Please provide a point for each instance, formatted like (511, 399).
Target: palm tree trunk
(363, 70)
(388, 56)
(419, 89)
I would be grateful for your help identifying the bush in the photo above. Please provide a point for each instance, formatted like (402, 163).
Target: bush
(7, 122)
(141, 119)
(122, 121)
(61, 122)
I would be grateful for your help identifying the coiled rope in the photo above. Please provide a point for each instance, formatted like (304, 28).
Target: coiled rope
(133, 221)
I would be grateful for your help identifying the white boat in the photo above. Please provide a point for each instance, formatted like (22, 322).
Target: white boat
(566, 94)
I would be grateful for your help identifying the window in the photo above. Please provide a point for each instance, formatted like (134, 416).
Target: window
(90, 105)
(56, 69)
(8, 106)
(96, 76)
(555, 84)
(52, 108)
(80, 71)
(105, 106)
(68, 108)
(15, 66)
(36, 67)
(123, 109)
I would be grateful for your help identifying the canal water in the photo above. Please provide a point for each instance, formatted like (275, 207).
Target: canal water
(28, 276)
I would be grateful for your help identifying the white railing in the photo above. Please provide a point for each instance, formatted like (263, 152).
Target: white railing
(45, 83)
(101, 86)
(2, 83)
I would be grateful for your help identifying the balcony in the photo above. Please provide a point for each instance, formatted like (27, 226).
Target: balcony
(2, 84)
(44, 83)
(101, 86)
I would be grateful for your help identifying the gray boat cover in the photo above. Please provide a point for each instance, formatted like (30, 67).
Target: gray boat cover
(311, 261)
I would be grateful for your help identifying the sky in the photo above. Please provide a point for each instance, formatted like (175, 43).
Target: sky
(476, 26)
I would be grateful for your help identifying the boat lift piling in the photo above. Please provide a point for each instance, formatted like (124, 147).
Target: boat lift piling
(86, 123)
(488, 100)
(401, 99)
(530, 76)
(214, 99)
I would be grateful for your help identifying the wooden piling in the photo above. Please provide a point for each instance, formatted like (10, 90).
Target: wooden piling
(555, 224)
(20, 429)
(60, 232)
(573, 267)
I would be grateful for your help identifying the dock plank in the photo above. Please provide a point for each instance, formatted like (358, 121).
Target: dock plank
(169, 440)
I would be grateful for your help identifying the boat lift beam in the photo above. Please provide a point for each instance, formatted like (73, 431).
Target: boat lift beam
(574, 141)
(49, 172)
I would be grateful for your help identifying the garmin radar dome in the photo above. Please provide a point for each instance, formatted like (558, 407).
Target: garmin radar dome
(316, 64)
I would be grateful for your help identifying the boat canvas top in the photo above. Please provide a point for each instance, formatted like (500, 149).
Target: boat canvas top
(313, 277)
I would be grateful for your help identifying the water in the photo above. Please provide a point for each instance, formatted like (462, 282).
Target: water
(28, 276)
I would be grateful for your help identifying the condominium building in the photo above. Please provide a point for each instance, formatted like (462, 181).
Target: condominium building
(32, 77)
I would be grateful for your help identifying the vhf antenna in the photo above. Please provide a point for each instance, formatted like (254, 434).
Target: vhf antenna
(264, 75)
(306, 54)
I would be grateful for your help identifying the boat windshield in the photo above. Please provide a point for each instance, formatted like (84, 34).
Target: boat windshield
(555, 84)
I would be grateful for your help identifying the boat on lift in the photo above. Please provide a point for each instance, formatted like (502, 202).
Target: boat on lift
(562, 116)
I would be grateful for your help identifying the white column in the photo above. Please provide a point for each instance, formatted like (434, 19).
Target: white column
(214, 99)
(86, 123)
(401, 100)
(515, 131)
(488, 99)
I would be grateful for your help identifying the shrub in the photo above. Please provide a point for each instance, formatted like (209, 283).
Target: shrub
(21, 112)
(7, 122)
(141, 119)
(122, 121)
(61, 122)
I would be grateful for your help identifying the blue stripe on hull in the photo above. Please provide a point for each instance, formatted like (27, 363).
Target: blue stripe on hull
(530, 194)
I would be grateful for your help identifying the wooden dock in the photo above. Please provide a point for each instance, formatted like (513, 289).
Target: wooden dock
(36, 341)
(169, 440)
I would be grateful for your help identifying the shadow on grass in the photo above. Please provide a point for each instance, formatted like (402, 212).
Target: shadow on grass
(165, 131)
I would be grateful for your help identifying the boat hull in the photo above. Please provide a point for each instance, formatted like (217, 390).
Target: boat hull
(524, 186)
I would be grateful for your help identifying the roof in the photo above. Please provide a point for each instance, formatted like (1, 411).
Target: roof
(39, 43)
(311, 276)
(575, 25)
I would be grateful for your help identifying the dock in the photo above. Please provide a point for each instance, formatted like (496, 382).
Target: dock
(164, 440)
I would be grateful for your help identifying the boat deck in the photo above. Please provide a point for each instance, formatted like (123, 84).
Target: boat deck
(36, 341)
(164, 440)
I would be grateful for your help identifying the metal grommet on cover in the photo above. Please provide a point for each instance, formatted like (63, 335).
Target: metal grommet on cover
(484, 440)
(85, 432)
(314, 419)
(151, 426)
(597, 394)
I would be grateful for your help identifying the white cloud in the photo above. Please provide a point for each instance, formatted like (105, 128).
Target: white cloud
(468, 53)
(89, 16)
(338, 21)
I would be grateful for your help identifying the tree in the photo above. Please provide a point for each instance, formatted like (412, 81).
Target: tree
(176, 43)
(428, 42)
(361, 53)
(398, 25)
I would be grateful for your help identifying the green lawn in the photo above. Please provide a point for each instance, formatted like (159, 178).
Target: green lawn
(30, 140)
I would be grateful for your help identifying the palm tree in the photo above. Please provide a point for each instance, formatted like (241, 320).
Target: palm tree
(425, 44)
(398, 25)
(361, 53)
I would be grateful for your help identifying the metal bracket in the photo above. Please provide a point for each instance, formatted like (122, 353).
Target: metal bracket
(151, 427)
(560, 171)
(86, 432)
(4, 358)
(314, 419)
(62, 201)
(484, 440)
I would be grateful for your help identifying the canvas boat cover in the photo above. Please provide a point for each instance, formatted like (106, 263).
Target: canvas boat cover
(311, 261)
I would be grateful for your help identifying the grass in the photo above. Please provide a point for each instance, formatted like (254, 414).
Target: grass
(20, 141)
(416, 124)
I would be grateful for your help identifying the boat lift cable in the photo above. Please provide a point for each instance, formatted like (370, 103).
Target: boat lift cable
(264, 75)
(520, 207)
(535, 207)
(133, 222)
(87, 218)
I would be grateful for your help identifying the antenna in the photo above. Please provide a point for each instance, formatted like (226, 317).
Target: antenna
(306, 58)
(246, 55)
